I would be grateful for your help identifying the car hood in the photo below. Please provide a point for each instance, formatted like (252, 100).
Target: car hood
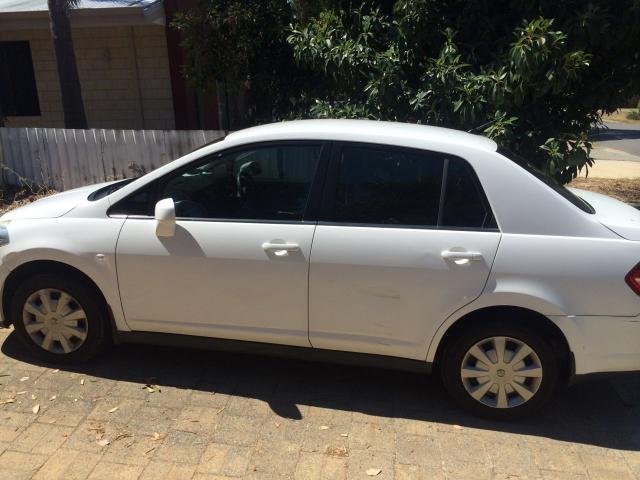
(55, 205)
(617, 216)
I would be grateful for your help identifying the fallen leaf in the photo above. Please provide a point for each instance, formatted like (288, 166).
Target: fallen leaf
(82, 381)
(75, 399)
(8, 400)
(372, 472)
(33, 397)
(324, 427)
(24, 379)
(21, 393)
(104, 442)
(344, 434)
(55, 371)
(53, 397)
(113, 409)
(341, 452)
(36, 408)
(158, 436)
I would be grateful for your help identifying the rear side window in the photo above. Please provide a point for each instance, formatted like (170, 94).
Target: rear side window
(464, 204)
(388, 187)
(393, 186)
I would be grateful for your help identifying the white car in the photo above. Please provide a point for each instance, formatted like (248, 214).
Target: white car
(358, 241)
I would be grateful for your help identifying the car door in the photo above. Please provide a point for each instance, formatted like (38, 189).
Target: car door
(406, 238)
(237, 266)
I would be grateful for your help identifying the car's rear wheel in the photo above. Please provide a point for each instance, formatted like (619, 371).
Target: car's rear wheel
(59, 318)
(500, 371)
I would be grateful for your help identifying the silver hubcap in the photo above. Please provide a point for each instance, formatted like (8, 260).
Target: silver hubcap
(501, 372)
(55, 321)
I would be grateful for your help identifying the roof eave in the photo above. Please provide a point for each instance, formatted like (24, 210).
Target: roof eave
(88, 17)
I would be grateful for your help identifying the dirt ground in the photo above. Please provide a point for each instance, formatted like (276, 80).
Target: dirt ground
(620, 116)
(14, 197)
(627, 190)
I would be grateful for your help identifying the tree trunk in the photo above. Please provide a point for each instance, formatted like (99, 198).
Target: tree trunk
(72, 105)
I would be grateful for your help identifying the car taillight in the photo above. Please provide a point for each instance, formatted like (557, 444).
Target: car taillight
(633, 279)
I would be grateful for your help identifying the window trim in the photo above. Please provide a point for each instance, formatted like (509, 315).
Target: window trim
(325, 216)
(315, 191)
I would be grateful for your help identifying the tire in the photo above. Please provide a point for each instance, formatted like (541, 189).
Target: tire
(515, 385)
(82, 310)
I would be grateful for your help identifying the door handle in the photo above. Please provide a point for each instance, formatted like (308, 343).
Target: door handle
(460, 256)
(280, 249)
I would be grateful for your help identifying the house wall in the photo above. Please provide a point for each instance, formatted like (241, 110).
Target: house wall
(124, 73)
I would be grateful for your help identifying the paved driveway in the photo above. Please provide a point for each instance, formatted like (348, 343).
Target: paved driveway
(150, 412)
(620, 136)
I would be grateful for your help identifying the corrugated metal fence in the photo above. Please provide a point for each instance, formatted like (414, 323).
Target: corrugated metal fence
(64, 159)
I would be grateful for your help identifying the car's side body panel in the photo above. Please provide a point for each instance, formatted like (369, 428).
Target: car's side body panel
(216, 279)
(87, 244)
(386, 290)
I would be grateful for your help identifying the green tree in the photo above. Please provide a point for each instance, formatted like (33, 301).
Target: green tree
(537, 74)
(70, 89)
(239, 47)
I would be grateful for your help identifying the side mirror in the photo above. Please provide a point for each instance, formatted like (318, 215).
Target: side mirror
(165, 218)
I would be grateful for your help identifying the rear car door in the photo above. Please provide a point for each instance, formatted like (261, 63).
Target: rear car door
(406, 237)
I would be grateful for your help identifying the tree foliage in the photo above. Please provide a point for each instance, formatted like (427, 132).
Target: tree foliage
(240, 47)
(536, 74)
(539, 72)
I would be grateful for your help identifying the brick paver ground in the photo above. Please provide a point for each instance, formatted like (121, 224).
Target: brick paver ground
(158, 413)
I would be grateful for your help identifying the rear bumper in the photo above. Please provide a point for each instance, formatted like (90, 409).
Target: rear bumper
(602, 344)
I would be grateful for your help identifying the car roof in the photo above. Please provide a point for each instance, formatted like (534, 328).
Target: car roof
(377, 131)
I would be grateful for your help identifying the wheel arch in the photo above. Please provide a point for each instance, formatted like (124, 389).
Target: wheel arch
(510, 313)
(34, 267)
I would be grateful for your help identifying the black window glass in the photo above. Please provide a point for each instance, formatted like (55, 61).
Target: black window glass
(265, 183)
(18, 92)
(138, 203)
(388, 186)
(463, 200)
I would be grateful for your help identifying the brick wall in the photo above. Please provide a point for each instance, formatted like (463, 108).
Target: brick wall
(124, 72)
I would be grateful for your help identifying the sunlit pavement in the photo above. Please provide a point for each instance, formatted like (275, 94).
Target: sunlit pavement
(150, 412)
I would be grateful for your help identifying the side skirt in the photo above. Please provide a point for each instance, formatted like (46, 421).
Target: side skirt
(273, 350)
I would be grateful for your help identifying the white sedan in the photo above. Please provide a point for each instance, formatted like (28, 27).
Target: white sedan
(358, 241)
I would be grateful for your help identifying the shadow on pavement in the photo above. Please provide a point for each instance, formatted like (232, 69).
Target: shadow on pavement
(604, 413)
(605, 135)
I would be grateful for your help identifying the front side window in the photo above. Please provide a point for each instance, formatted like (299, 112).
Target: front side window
(261, 183)
(380, 185)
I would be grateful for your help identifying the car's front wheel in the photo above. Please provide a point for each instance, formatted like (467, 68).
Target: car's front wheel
(59, 318)
(500, 371)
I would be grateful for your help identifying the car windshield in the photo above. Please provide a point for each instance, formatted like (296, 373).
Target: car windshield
(546, 179)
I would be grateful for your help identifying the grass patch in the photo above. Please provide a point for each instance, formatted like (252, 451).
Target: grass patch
(14, 197)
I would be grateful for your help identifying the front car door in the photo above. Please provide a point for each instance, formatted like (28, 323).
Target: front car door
(407, 238)
(237, 266)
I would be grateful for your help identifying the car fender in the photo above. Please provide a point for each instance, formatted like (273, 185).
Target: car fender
(64, 242)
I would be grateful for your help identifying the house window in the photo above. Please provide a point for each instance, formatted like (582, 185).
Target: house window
(18, 92)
